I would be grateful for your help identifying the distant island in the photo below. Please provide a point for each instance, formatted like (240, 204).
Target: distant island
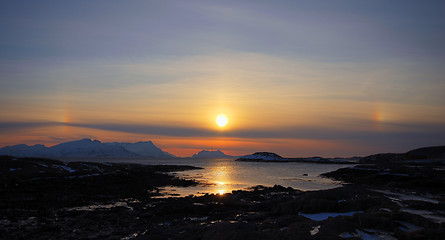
(273, 157)
(211, 154)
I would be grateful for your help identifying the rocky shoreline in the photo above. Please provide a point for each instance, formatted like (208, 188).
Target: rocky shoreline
(49, 199)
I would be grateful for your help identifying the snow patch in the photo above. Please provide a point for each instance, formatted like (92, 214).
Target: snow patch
(409, 227)
(432, 216)
(364, 169)
(87, 148)
(66, 168)
(348, 235)
(83, 176)
(100, 206)
(376, 236)
(394, 174)
(326, 215)
(385, 210)
(315, 230)
(400, 196)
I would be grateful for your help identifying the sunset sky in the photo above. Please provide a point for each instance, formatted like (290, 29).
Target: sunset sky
(299, 78)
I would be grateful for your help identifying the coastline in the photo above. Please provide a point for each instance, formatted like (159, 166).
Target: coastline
(112, 201)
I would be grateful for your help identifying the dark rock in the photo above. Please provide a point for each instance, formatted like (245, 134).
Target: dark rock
(383, 158)
(114, 201)
(427, 153)
(418, 178)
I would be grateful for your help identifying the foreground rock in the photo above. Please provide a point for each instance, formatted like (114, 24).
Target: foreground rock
(417, 187)
(421, 156)
(100, 201)
(424, 179)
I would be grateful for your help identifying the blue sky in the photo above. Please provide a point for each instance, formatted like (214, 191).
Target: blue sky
(333, 77)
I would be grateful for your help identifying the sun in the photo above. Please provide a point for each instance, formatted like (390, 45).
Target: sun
(221, 120)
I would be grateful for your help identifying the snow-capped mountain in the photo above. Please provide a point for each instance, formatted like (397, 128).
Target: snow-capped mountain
(23, 150)
(87, 148)
(211, 154)
(144, 149)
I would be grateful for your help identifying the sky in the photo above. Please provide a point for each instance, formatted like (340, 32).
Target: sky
(298, 78)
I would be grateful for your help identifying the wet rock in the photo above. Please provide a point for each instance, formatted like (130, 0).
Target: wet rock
(117, 203)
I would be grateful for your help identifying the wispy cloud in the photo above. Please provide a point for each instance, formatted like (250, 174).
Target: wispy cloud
(14, 126)
(417, 132)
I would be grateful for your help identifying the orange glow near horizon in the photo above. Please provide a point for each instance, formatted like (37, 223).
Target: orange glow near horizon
(375, 116)
(181, 147)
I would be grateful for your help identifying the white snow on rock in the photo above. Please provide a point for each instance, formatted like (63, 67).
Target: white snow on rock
(144, 149)
(368, 234)
(371, 234)
(87, 148)
(404, 197)
(432, 216)
(23, 150)
(325, 215)
(66, 168)
(315, 230)
(409, 227)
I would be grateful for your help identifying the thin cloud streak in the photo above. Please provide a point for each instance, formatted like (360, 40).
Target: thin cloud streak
(6, 127)
(414, 132)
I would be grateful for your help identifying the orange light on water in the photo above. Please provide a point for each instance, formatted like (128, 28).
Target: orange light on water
(221, 176)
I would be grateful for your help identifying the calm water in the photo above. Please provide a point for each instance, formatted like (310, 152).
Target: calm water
(226, 175)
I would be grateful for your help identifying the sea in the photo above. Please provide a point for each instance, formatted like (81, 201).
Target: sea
(222, 175)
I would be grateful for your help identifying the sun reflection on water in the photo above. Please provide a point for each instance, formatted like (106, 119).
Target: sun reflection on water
(221, 177)
(221, 180)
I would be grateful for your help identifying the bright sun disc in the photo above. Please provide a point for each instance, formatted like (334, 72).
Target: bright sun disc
(221, 120)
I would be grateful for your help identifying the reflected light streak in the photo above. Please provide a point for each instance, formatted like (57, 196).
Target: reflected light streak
(221, 180)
